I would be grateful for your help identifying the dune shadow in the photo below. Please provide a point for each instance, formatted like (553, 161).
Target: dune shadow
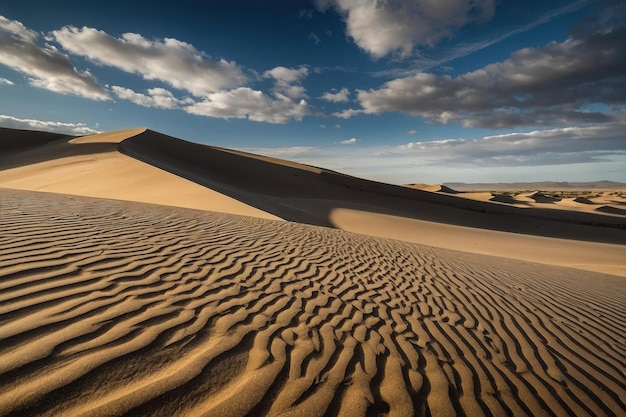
(305, 194)
(20, 148)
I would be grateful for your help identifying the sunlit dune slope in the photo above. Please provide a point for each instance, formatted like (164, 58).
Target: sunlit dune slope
(93, 166)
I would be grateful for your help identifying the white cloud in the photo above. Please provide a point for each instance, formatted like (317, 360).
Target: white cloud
(246, 103)
(287, 76)
(412, 132)
(156, 97)
(441, 56)
(171, 61)
(540, 147)
(74, 129)
(350, 141)
(335, 96)
(534, 86)
(45, 67)
(5, 81)
(399, 26)
(287, 81)
(18, 30)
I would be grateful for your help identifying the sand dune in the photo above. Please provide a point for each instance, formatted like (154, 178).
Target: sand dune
(93, 166)
(146, 166)
(111, 306)
(118, 308)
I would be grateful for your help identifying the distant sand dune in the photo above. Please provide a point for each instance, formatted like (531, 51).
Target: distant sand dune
(118, 308)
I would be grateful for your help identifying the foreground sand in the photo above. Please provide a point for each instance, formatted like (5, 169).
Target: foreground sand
(113, 308)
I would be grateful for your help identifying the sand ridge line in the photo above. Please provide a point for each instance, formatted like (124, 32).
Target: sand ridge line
(308, 320)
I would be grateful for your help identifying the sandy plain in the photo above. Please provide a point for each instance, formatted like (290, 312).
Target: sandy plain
(145, 275)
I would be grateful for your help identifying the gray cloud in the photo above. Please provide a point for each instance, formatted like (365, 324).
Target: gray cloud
(383, 27)
(45, 66)
(75, 129)
(534, 86)
(171, 61)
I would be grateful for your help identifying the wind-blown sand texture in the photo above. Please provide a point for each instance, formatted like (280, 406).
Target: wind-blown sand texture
(111, 306)
(119, 308)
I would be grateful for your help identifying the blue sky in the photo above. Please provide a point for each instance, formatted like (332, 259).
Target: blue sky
(399, 91)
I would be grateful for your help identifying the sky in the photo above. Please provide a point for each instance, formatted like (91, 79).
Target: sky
(400, 91)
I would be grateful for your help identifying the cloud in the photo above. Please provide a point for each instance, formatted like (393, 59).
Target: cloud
(171, 61)
(398, 26)
(350, 141)
(287, 81)
(5, 81)
(74, 129)
(313, 36)
(412, 132)
(335, 96)
(305, 14)
(286, 76)
(541, 147)
(45, 66)
(550, 85)
(246, 103)
(156, 97)
(441, 56)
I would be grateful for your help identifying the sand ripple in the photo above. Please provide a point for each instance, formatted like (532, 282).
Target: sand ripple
(116, 308)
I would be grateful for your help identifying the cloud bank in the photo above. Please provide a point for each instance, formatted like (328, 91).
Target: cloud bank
(171, 61)
(74, 129)
(551, 85)
(44, 66)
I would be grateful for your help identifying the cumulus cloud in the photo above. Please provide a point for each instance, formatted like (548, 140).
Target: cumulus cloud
(350, 141)
(246, 103)
(171, 61)
(44, 66)
(287, 81)
(156, 97)
(412, 132)
(383, 27)
(335, 96)
(549, 85)
(5, 81)
(74, 129)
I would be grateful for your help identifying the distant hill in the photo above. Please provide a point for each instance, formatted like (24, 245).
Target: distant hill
(542, 185)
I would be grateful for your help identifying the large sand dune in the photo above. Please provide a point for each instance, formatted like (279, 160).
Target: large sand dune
(209, 303)
(146, 166)
(117, 308)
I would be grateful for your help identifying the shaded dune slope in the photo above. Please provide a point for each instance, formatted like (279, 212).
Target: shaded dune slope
(307, 194)
(15, 140)
(118, 308)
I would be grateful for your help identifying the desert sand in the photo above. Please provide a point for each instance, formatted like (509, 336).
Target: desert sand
(145, 275)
